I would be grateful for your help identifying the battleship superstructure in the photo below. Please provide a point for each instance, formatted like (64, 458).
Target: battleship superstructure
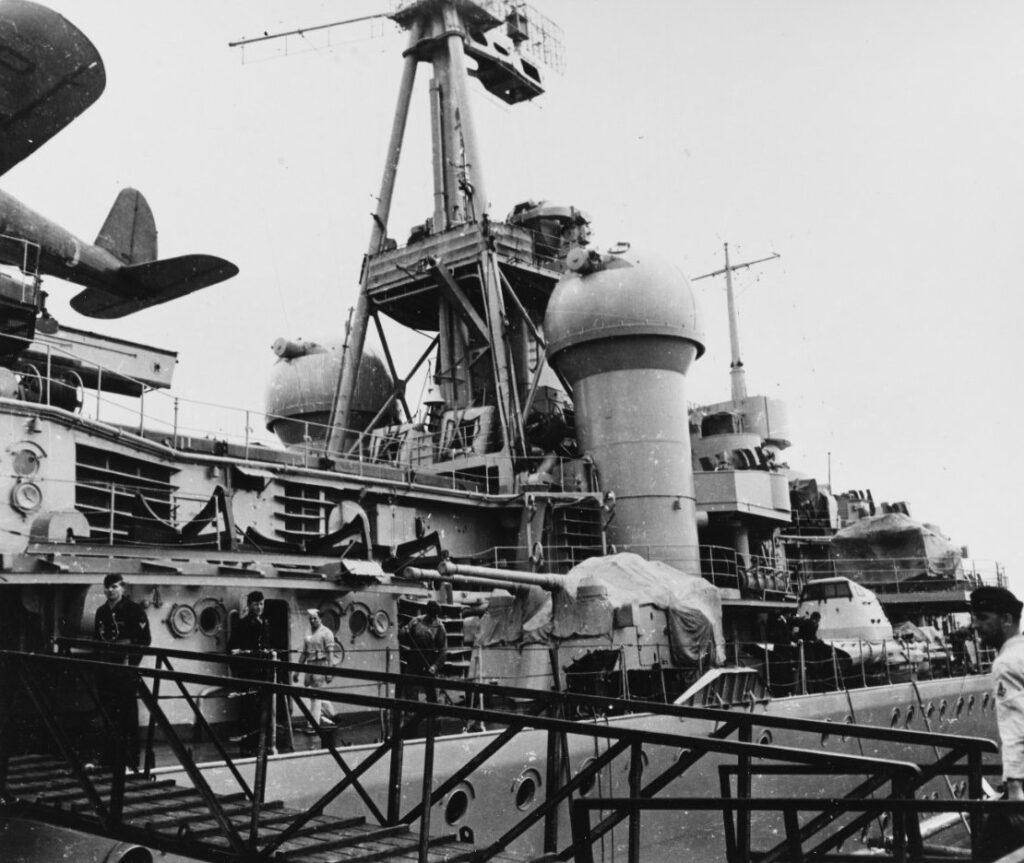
(556, 438)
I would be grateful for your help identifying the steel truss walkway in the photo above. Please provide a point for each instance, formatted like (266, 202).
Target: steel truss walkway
(651, 756)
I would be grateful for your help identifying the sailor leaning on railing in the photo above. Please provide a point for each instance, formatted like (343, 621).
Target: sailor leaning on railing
(995, 616)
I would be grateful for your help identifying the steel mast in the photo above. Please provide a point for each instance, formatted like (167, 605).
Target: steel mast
(737, 374)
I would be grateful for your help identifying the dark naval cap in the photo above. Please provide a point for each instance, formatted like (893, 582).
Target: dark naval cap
(997, 599)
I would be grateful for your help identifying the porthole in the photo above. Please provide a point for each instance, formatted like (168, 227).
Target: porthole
(211, 615)
(911, 710)
(26, 497)
(943, 706)
(588, 784)
(380, 623)
(26, 462)
(885, 819)
(766, 738)
(959, 706)
(358, 620)
(985, 701)
(895, 720)
(825, 735)
(182, 620)
(457, 805)
(930, 710)
(864, 834)
(330, 616)
(847, 720)
(970, 705)
(524, 789)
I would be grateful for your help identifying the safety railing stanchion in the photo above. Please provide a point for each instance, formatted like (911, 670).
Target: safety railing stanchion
(395, 769)
(428, 783)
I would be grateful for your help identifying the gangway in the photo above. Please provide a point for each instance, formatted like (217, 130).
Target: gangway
(393, 792)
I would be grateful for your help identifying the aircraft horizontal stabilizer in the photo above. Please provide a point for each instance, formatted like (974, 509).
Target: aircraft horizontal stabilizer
(143, 285)
(49, 74)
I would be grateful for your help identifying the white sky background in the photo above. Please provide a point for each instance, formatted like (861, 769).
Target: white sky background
(877, 145)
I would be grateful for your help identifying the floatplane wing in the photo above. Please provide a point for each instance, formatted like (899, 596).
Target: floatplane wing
(49, 74)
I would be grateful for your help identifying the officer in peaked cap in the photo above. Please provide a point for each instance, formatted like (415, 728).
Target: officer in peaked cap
(995, 617)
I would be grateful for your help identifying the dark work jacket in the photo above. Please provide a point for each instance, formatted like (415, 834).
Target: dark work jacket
(250, 636)
(126, 622)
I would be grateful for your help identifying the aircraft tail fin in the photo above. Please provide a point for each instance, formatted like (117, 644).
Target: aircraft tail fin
(129, 233)
(148, 284)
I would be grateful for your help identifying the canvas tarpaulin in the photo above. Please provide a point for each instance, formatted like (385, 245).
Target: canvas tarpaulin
(889, 548)
(593, 590)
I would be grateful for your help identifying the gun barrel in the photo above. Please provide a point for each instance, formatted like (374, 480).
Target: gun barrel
(447, 569)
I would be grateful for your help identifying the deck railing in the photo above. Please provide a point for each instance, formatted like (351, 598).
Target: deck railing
(647, 761)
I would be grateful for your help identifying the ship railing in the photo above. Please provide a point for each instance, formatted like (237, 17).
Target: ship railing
(907, 575)
(802, 667)
(653, 756)
(411, 452)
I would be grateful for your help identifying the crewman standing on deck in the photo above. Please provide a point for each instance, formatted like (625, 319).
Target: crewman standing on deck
(121, 621)
(995, 616)
(250, 636)
(427, 644)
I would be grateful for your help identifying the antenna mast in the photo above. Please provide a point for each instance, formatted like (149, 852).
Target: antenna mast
(736, 373)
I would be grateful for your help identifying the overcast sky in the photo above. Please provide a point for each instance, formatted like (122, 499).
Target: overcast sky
(877, 145)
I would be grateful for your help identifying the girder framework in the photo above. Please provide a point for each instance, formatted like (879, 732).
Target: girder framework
(243, 825)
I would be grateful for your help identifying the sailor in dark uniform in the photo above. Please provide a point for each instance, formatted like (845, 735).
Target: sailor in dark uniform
(121, 621)
(250, 636)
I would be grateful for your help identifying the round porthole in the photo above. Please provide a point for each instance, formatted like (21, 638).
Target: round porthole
(524, 789)
(330, 616)
(358, 620)
(26, 462)
(766, 738)
(959, 706)
(380, 623)
(970, 705)
(457, 805)
(182, 620)
(211, 616)
(910, 716)
(26, 497)
(943, 706)
(588, 784)
(984, 701)
(895, 720)
(930, 711)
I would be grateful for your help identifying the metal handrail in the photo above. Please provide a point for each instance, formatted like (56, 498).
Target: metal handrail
(622, 739)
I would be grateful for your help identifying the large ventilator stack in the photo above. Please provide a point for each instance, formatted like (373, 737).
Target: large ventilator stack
(622, 330)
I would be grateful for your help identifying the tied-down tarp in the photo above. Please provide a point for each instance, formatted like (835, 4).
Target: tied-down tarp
(593, 590)
(889, 548)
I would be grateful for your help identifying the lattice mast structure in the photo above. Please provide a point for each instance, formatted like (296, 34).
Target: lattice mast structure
(479, 284)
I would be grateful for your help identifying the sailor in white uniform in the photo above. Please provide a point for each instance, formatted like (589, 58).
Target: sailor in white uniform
(995, 616)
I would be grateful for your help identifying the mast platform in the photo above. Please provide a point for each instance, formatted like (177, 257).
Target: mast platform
(399, 281)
